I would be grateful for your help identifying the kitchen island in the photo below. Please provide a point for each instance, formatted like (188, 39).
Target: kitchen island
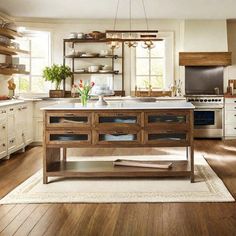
(117, 125)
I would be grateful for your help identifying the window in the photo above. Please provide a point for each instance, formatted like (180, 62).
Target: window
(38, 43)
(150, 67)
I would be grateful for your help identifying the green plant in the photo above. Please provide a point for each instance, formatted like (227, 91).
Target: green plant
(56, 73)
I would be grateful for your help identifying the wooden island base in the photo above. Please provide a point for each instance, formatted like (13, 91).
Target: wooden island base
(105, 169)
(116, 128)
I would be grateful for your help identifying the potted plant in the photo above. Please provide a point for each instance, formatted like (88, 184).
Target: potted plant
(56, 74)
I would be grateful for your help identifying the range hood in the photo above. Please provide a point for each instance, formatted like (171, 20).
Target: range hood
(205, 58)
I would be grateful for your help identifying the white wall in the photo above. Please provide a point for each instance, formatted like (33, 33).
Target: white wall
(232, 48)
(205, 36)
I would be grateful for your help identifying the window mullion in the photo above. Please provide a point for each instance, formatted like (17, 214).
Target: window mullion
(30, 66)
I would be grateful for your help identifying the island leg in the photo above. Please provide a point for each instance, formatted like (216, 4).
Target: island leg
(192, 163)
(64, 154)
(51, 155)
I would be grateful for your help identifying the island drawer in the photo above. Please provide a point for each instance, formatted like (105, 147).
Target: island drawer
(119, 137)
(68, 119)
(117, 119)
(166, 137)
(68, 137)
(171, 119)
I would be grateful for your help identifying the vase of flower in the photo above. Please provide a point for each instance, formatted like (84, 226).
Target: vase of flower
(84, 91)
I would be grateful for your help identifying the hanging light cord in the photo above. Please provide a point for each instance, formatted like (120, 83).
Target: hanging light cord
(130, 12)
(145, 14)
(117, 7)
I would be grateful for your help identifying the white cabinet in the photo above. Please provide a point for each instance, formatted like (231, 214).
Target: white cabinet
(24, 124)
(16, 127)
(3, 132)
(230, 118)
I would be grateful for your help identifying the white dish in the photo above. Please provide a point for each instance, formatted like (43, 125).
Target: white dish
(105, 71)
(79, 70)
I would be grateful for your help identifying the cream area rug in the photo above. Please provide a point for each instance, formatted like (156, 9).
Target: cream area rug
(208, 187)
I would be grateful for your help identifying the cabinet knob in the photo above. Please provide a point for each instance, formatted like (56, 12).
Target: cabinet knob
(3, 111)
(4, 127)
(12, 109)
(4, 145)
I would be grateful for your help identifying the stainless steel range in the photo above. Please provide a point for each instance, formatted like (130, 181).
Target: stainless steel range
(208, 115)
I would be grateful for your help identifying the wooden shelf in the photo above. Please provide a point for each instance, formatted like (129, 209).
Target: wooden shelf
(96, 73)
(10, 71)
(11, 51)
(106, 169)
(7, 51)
(9, 33)
(99, 57)
(86, 40)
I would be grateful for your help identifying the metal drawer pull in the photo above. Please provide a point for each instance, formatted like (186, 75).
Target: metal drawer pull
(23, 108)
(3, 112)
(69, 114)
(69, 132)
(119, 132)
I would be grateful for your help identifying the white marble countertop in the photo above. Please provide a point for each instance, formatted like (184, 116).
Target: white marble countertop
(10, 102)
(123, 105)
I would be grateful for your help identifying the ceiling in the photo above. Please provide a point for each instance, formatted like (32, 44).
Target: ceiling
(103, 9)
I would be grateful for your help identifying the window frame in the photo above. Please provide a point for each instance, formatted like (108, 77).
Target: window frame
(31, 33)
(150, 75)
(168, 73)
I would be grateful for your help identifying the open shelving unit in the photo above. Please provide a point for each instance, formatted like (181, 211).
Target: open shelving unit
(112, 57)
(9, 51)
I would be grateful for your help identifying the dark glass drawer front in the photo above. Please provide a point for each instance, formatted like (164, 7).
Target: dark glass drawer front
(166, 119)
(69, 137)
(121, 120)
(167, 137)
(118, 137)
(68, 120)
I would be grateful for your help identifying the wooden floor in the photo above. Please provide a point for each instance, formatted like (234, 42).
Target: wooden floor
(119, 219)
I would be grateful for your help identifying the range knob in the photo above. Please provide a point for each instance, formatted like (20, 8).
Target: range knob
(201, 100)
(205, 100)
(209, 100)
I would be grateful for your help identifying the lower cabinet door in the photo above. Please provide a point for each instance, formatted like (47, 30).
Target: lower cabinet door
(12, 145)
(68, 137)
(3, 148)
(117, 137)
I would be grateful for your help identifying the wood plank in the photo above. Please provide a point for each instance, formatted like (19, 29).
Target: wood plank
(81, 227)
(135, 215)
(45, 221)
(205, 58)
(68, 226)
(184, 219)
(58, 220)
(18, 220)
(4, 209)
(100, 222)
(12, 214)
(32, 220)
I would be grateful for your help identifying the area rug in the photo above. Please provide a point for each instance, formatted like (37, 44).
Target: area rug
(208, 187)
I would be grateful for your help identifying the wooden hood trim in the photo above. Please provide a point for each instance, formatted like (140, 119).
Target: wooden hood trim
(205, 58)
